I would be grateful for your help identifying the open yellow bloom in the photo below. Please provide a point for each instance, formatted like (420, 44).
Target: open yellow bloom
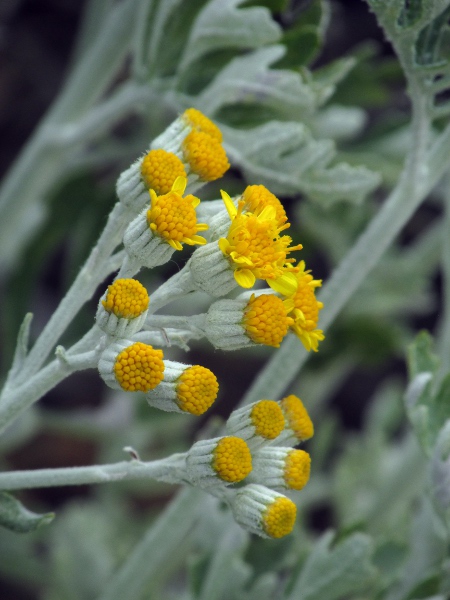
(173, 217)
(303, 307)
(256, 250)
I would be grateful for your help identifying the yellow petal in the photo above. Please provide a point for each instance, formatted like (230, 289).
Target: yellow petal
(241, 260)
(231, 209)
(267, 214)
(195, 201)
(179, 185)
(202, 226)
(286, 284)
(245, 278)
(175, 244)
(224, 244)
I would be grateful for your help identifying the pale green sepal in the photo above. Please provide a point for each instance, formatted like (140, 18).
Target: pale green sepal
(331, 573)
(14, 515)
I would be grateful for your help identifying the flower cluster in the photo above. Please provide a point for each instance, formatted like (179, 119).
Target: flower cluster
(244, 243)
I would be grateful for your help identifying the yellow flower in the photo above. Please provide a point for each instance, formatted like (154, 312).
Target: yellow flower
(196, 390)
(265, 320)
(256, 250)
(173, 217)
(200, 122)
(232, 459)
(126, 298)
(139, 368)
(257, 197)
(279, 518)
(205, 155)
(303, 307)
(298, 421)
(159, 170)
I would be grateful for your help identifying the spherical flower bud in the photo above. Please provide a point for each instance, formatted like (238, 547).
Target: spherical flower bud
(156, 170)
(281, 468)
(299, 426)
(153, 236)
(205, 156)
(131, 366)
(245, 321)
(223, 460)
(256, 423)
(263, 511)
(123, 308)
(185, 389)
(191, 120)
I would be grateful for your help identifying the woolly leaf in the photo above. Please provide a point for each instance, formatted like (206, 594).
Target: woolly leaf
(14, 515)
(330, 573)
(223, 25)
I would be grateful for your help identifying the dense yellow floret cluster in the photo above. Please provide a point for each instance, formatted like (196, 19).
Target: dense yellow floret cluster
(297, 417)
(173, 217)
(159, 170)
(257, 197)
(232, 459)
(139, 368)
(265, 320)
(197, 389)
(279, 517)
(205, 155)
(268, 419)
(200, 122)
(297, 469)
(126, 298)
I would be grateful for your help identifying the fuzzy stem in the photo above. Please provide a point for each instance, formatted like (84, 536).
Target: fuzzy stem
(171, 469)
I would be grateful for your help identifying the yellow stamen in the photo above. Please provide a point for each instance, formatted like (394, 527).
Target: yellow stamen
(126, 298)
(304, 309)
(232, 459)
(205, 155)
(159, 170)
(200, 122)
(297, 469)
(139, 368)
(173, 217)
(197, 389)
(265, 320)
(268, 419)
(297, 417)
(279, 517)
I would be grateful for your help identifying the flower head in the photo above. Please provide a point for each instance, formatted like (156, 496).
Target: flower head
(256, 250)
(200, 122)
(133, 367)
(299, 426)
(257, 423)
(160, 169)
(257, 197)
(265, 320)
(123, 308)
(303, 307)
(219, 460)
(263, 511)
(185, 388)
(281, 468)
(205, 155)
(172, 217)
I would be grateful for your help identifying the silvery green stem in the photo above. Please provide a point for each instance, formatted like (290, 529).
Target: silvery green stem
(171, 470)
(177, 286)
(17, 399)
(444, 341)
(85, 284)
(157, 546)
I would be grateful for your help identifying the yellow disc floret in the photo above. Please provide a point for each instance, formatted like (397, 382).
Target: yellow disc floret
(296, 469)
(205, 155)
(200, 122)
(126, 298)
(173, 217)
(265, 320)
(279, 517)
(159, 170)
(297, 417)
(197, 389)
(268, 419)
(232, 459)
(257, 197)
(139, 368)
(303, 307)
